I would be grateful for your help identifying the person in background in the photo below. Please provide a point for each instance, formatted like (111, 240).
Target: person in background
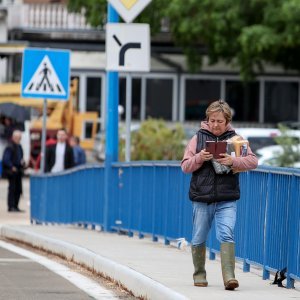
(59, 157)
(78, 152)
(50, 141)
(214, 195)
(13, 167)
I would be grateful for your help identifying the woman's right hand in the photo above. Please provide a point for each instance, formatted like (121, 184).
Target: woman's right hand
(205, 156)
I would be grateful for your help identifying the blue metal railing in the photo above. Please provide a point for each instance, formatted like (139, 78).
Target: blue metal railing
(75, 196)
(152, 198)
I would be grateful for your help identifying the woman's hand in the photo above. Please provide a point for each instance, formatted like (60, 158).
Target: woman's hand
(205, 156)
(225, 160)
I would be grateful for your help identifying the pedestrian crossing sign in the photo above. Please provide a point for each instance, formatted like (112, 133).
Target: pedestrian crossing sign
(46, 74)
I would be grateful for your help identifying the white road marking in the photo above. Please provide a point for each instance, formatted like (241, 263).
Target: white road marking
(87, 285)
(14, 260)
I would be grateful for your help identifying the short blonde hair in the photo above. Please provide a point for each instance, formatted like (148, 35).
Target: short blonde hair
(219, 106)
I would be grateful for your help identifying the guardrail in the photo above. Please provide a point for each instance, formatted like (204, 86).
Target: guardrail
(74, 196)
(151, 198)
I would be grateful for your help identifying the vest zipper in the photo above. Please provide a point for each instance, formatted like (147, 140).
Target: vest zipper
(216, 177)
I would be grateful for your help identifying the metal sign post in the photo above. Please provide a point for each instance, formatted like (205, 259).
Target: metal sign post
(111, 147)
(128, 116)
(43, 152)
(125, 46)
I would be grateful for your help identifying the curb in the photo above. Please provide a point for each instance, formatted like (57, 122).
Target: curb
(139, 284)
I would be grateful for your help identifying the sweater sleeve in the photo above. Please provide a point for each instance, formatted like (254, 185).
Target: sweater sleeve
(191, 160)
(248, 162)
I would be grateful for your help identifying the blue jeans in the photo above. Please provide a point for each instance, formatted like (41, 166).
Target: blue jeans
(224, 214)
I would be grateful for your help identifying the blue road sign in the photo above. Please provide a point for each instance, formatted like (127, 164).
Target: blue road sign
(46, 74)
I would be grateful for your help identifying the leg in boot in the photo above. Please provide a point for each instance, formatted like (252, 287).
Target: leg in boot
(228, 265)
(199, 255)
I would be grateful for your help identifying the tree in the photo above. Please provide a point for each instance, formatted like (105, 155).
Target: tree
(247, 34)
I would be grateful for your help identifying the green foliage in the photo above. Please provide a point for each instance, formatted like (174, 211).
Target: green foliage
(155, 141)
(243, 33)
(290, 146)
(95, 10)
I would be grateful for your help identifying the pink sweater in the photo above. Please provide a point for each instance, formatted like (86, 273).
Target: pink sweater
(192, 161)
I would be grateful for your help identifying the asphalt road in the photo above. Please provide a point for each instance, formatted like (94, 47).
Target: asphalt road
(21, 278)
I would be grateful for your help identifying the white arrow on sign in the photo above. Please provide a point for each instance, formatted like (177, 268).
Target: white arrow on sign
(129, 9)
(128, 47)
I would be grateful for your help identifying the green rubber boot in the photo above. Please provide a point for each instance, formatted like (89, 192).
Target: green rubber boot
(228, 264)
(199, 255)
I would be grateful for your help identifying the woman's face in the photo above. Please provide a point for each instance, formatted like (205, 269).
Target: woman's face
(217, 123)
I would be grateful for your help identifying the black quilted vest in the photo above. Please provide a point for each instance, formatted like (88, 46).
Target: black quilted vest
(207, 186)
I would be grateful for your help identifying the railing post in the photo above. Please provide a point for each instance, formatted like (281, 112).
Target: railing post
(266, 273)
(293, 231)
(167, 242)
(111, 149)
(212, 255)
(140, 209)
(154, 201)
(246, 266)
(131, 208)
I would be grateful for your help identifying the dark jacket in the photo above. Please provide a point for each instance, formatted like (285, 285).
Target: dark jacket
(50, 158)
(207, 186)
(12, 157)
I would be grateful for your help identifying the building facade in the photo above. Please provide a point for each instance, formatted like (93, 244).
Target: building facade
(169, 91)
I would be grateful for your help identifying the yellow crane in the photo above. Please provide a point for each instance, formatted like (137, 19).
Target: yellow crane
(60, 114)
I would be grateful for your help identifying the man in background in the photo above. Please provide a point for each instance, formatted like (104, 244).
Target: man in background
(59, 157)
(50, 141)
(79, 154)
(13, 167)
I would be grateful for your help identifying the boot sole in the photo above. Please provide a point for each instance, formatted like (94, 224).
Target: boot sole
(231, 285)
(204, 284)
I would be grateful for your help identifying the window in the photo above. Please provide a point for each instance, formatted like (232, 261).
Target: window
(87, 129)
(244, 99)
(93, 94)
(159, 98)
(281, 101)
(136, 98)
(16, 70)
(199, 94)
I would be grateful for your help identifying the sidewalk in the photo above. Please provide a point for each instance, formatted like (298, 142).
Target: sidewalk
(149, 269)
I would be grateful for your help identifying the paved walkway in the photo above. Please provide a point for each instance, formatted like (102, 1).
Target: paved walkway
(147, 268)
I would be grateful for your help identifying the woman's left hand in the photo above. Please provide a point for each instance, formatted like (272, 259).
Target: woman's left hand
(225, 160)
